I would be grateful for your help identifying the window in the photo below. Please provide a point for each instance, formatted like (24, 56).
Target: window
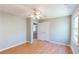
(75, 29)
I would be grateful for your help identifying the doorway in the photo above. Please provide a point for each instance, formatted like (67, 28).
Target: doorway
(35, 26)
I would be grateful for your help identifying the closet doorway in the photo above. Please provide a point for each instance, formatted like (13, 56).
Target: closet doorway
(35, 26)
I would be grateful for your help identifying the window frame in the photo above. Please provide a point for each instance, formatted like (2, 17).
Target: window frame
(75, 35)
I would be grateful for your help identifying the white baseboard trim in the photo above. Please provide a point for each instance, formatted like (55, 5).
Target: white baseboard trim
(15, 45)
(12, 46)
(57, 42)
(60, 43)
(74, 52)
(29, 42)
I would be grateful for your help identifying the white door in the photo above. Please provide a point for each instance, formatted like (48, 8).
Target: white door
(43, 31)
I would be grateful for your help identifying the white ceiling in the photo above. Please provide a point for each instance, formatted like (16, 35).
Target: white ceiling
(47, 10)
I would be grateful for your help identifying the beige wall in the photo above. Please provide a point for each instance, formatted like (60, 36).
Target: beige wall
(12, 30)
(59, 29)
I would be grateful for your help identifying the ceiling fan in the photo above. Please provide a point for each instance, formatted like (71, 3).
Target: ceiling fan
(36, 14)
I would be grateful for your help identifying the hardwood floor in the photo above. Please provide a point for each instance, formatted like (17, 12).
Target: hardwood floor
(39, 47)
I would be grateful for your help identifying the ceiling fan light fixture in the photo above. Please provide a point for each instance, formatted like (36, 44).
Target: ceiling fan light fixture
(36, 14)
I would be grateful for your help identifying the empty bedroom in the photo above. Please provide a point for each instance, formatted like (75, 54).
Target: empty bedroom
(39, 29)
